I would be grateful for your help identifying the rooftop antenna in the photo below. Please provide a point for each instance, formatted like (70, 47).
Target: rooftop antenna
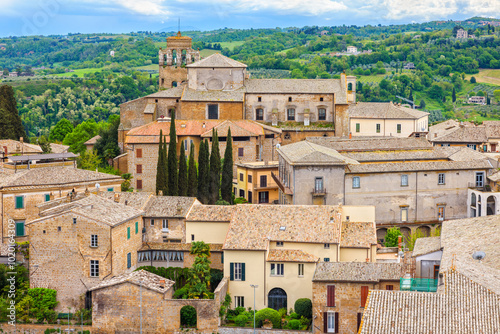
(179, 24)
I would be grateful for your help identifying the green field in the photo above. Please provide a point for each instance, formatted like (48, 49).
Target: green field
(80, 72)
(370, 78)
(231, 45)
(487, 76)
(152, 67)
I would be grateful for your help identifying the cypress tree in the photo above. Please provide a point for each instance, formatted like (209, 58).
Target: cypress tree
(11, 126)
(160, 170)
(183, 173)
(203, 172)
(164, 186)
(227, 171)
(192, 186)
(214, 175)
(172, 159)
(453, 95)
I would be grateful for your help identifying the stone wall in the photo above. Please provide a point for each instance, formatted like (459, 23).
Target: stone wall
(199, 110)
(40, 329)
(241, 330)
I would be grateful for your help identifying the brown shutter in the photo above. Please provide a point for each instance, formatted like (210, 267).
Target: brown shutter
(336, 322)
(389, 287)
(360, 316)
(330, 296)
(139, 184)
(364, 295)
(138, 153)
(139, 169)
(325, 322)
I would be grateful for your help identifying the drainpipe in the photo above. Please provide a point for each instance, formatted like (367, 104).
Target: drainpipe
(416, 197)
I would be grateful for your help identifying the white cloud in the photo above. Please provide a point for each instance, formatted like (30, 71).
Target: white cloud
(488, 8)
(422, 9)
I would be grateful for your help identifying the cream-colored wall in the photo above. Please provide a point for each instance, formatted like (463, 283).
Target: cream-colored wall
(358, 213)
(311, 248)
(354, 254)
(209, 232)
(388, 127)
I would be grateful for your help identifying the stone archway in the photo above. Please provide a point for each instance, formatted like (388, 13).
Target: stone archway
(405, 231)
(381, 232)
(189, 317)
(277, 299)
(425, 230)
(491, 205)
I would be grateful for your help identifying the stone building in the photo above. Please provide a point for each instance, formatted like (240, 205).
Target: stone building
(411, 184)
(75, 245)
(255, 183)
(483, 138)
(340, 291)
(22, 192)
(461, 33)
(278, 247)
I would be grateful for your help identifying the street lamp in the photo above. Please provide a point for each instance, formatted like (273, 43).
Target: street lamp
(254, 286)
(140, 294)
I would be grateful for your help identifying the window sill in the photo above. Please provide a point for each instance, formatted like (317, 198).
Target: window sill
(93, 246)
(277, 275)
(404, 185)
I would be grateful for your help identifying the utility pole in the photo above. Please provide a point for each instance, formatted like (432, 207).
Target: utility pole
(140, 294)
(254, 286)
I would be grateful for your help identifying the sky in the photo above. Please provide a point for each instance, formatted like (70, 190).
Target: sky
(46, 17)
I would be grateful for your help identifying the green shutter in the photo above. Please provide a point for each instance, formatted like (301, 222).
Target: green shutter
(128, 232)
(222, 258)
(136, 227)
(231, 271)
(242, 271)
(19, 202)
(20, 229)
(129, 260)
(110, 189)
(47, 197)
(357, 127)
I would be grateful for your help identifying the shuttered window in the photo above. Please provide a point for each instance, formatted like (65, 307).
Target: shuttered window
(364, 295)
(360, 317)
(237, 271)
(129, 260)
(20, 228)
(330, 322)
(138, 169)
(330, 295)
(19, 202)
(389, 287)
(138, 153)
(136, 227)
(128, 232)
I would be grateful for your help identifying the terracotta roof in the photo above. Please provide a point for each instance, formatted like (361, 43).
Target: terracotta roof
(446, 127)
(358, 272)
(358, 235)
(494, 177)
(138, 200)
(213, 95)
(175, 92)
(463, 134)
(169, 206)
(15, 147)
(240, 129)
(176, 246)
(92, 141)
(426, 245)
(461, 153)
(210, 213)
(258, 164)
(141, 277)
(306, 153)
(363, 144)
(383, 111)
(406, 155)
(463, 307)
(253, 226)
(216, 60)
(55, 176)
(290, 255)
(417, 166)
(59, 148)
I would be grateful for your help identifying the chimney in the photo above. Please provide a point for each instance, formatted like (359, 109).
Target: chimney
(117, 198)
(162, 283)
(400, 243)
(204, 125)
(350, 135)
(5, 150)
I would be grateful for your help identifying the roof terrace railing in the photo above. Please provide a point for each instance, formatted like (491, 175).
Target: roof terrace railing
(418, 284)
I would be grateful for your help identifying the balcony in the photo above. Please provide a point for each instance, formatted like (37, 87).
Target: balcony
(281, 185)
(318, 192)
(475, 186)
(418, 284)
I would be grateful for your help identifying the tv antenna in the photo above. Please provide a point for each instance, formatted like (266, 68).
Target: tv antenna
(179, 24)
(478, 255)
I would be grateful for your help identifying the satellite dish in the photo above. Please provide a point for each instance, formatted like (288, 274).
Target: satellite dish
(97, 185)
(478, 255)
(278, 145)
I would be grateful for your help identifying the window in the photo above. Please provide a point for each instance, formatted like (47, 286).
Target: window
(404, 214)
(213, 111)
(445, 145)
(94, 268)
(441, 178)
(330, 295)
(479, 179)
(237, 271)
(358, 127)
(441, 213)
(404, 180)
(93, 240)
(291, 114)
(326, 246)
(398, 128)
(389, 287)
(74, 220)
(20, 228)
(164, 224)
(129, 260)
(259, 114)
(249, 178)
(19, 202)
(239, 301)
(240, 152)
(321, 99)
(136, 227)
(263, 181)
(331, 322)
(186, 145)
(259, 98)
(110, 189)
(128, 232)
(378, 128)
(241, 177)
(364, 295)
(138, 169)
(264, 197)
(301, 269)
(322, 114)
(279, 243)
(47, 197)
(289, 99)
(326, 259)
(152, 222)
(249, 196)
(355, 182)
(277, 269)
(192, 237)
(59, 229)
(242, 193)
(138, 184)
(472, 146)
(138, 153)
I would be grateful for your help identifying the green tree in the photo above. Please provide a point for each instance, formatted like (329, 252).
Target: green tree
(172, 159)
(127, 181)
(422, 104)
(391, 237)
(62, 128)
(183, 173)
(107, 146)
(226, 188)
(472, 80)
(453, 95)
(83, 132)
(496, 95)
(214, 179)
(192, 185)
(203, 172)
(161, 167)
(44, 144)
(198, 282)
(89, 160)
(11, 126)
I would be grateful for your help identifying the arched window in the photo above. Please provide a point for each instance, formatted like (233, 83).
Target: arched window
(277, 299)
(473, 199)
(490, 206)
(188, 316)
(174, 83)
(349, 86)
(183, 58)
(425, 230)
(174, 57)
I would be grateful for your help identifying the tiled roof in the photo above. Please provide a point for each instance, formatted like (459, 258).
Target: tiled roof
(138, 200)
(14, 147)
(150, 108)
(290, 255)
(258, 164)
(253, 226)
(358, 271)
(175, 92)
(406, 155)
(216, 60)
(383, 111)
(463, 307)
(461, 153)
(463, 134)
(96, 208)
(92, 141)
(358, 235)
(446, 127)
(55, 176)
(213, 95)
(494, 177)
(210, 213)
(305, 152)
(175, 246)
(426, 245)
(59, 148)
(142, 278)
(361, 144)
(492, 129)
(417, 166)
(169, 206)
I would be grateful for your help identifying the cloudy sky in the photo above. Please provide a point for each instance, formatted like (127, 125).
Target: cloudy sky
(30, 17)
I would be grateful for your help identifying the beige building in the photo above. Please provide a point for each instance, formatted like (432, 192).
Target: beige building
(411, 184)
(278, 248)
(255, 183)
(22, 192)
(386, 119)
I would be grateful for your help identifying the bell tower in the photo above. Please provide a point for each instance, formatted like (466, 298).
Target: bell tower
(173, 60)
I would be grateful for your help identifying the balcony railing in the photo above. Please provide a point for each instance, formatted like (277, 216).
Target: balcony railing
(319, 192)
(418, 284)
(474, 185)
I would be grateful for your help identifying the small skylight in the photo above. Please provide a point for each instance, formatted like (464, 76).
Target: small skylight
(282, 228)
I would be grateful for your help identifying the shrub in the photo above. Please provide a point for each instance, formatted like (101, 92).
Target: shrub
(179, 294)
(282, 312)
(188, 316)
(305, 321)
(294, 324)
(239, 310)
(294, 316)
(51, 316)
(241, 320)
(270, 314)
(303, 307)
